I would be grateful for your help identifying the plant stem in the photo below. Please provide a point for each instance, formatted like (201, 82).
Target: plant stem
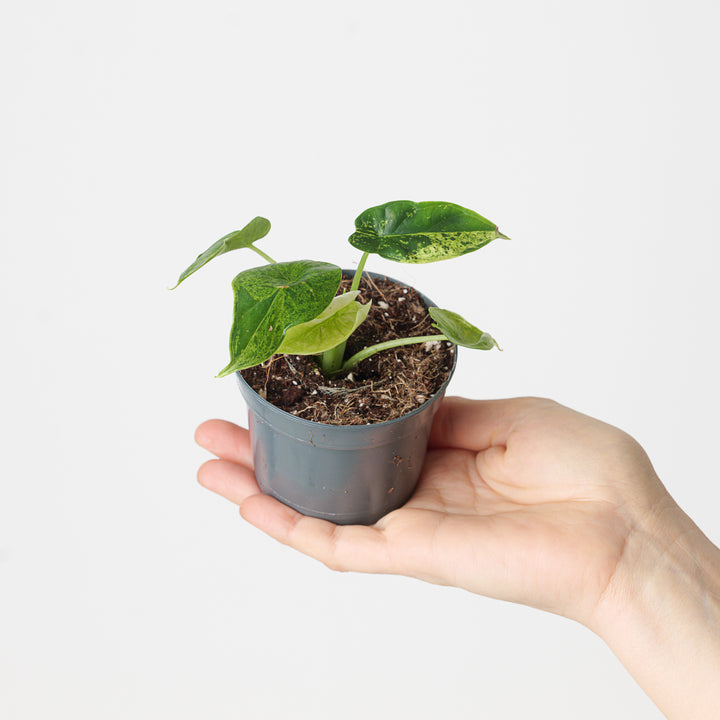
(262, 254)
(331, 360)
(351, 362)
(358, 273)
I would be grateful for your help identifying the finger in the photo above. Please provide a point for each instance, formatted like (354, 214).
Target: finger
(479, 424)
(341, 547)
(232, 481)
(226, 440)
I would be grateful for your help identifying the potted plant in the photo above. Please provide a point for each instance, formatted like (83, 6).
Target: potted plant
(336, 342)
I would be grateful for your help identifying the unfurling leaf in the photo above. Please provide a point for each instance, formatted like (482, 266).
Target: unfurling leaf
(333, 326)
(422, 232)
(271, 299)
(460, 331)
(257, 228)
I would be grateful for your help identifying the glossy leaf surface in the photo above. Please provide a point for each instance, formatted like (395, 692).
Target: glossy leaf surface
(271, 299)
(460, 331)
(257, 228)
(333, 326)
(422, 232)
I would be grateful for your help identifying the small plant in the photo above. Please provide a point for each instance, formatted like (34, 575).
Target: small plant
(293, 307)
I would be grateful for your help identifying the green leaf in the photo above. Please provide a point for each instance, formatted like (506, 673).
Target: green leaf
(460, 331)
(271, 299)
(422, 232)
(333, 326)
(257, 228)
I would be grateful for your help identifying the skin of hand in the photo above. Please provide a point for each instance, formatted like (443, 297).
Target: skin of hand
(518, 500)
(527, 501)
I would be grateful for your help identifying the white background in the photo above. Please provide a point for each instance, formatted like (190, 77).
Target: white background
(135, 134)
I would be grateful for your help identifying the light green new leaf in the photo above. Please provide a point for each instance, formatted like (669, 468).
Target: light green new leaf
(460, 331)
(422, 232)
(333, 326)
(257, 228)
(271, 299)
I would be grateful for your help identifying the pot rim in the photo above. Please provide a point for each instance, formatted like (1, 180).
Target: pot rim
(358, 428)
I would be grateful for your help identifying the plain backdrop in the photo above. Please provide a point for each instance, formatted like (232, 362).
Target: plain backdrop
(134, 134)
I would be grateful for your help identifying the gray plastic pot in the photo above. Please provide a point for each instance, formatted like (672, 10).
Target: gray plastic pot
(348, 474)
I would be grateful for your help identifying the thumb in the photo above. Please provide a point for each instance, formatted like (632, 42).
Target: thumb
(479, 424)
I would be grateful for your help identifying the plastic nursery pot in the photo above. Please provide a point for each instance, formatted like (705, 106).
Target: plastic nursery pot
(348, 474)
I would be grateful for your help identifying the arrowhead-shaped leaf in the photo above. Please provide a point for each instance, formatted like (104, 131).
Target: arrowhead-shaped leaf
(257, 228)
(422, 232)
(271, 299)
(460, 331)
(333, 326)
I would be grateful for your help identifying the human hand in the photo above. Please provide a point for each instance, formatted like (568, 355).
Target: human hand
(529, 501)
(523, 500)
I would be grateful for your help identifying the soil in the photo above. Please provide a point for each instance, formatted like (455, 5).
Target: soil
(383, 387)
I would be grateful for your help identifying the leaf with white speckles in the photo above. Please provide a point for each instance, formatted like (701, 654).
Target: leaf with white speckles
(257, 228)
(423, 232)
(271, 299)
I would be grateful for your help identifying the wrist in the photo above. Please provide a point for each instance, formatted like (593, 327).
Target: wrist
(660, 613)
(667, 560)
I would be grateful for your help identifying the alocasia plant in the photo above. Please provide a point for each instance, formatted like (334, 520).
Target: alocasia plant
(293, 307)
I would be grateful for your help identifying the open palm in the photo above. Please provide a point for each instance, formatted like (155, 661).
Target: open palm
(523, 500)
